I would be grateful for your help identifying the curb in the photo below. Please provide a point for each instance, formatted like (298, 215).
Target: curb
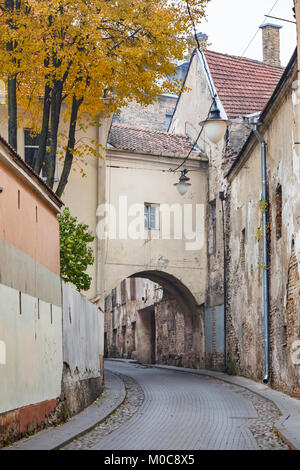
(293, 441)
(54, 438)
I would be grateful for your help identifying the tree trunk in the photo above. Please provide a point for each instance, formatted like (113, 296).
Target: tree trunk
(41, 153)
(12, 111)
(12, 88)
(70, 149)
(56, 100)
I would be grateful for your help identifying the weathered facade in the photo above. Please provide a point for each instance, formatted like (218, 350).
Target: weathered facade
(138, 163)
(144, 321)
(245, 325)
(213, 74)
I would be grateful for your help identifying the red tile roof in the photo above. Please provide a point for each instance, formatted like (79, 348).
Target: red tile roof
(139, 139)
(244, 85)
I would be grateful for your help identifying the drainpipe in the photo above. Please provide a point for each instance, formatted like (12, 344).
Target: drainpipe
(223, 199)
(255, 123)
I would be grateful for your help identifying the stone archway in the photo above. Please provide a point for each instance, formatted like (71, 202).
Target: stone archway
(169, 331)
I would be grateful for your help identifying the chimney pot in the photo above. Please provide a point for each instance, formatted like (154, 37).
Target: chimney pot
(271, 43)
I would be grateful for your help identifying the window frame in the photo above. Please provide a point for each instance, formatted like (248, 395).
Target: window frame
(148, 216)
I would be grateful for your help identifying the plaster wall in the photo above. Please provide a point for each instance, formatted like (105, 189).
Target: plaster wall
(245, 329)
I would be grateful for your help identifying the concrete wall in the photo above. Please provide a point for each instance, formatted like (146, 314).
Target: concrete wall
(245, 276)
(31, 375)
(83, 332)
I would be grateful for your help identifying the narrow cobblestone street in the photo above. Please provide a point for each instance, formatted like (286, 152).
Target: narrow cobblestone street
(169, 410)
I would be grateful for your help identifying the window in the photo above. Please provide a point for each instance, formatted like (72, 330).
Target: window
(114, 298)
(123, 292)
(168, 121)
(114, 338)
(31, 146)
(132, 289)
(278, 212)
(151, 216)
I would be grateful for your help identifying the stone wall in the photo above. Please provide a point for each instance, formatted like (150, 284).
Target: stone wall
(155, 116)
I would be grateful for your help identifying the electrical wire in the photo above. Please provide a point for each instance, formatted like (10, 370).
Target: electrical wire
(258, 29)
(195, 143)
(118, 167)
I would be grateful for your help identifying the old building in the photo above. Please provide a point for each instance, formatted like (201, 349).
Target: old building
(241, 88)
(246, 330)
(170, 250)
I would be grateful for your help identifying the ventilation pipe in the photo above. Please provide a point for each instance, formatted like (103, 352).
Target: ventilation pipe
(255, 123)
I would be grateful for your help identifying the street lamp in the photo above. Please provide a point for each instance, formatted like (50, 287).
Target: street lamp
(214, 126)
(183, 184)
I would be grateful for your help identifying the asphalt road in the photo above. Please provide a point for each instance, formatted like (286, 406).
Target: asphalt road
(182, 411)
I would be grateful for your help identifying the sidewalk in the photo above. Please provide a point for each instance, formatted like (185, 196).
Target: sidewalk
(288, 426)
(55, 437)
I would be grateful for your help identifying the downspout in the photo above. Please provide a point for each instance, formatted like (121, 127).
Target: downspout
(255, 123)
(223, 199)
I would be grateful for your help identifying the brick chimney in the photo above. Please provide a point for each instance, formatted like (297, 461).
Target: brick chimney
(271, 43)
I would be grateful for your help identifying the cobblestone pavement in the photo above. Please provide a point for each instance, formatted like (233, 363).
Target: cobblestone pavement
(183, 412)
(134, 399)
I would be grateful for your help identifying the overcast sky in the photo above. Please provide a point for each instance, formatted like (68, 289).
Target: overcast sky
(231, 24)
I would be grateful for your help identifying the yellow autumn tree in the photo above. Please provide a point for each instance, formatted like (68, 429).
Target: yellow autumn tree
(90, 55)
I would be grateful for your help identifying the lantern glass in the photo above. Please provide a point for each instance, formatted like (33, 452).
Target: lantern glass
(215, 130)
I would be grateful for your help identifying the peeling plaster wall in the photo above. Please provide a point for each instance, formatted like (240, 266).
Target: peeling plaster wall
(245, 278)
(192, 108)
(83, 331)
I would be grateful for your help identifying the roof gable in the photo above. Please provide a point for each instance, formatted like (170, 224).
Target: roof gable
(244, 85)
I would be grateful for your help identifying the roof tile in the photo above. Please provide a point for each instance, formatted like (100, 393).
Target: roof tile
(138, 139)
(244, 85)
